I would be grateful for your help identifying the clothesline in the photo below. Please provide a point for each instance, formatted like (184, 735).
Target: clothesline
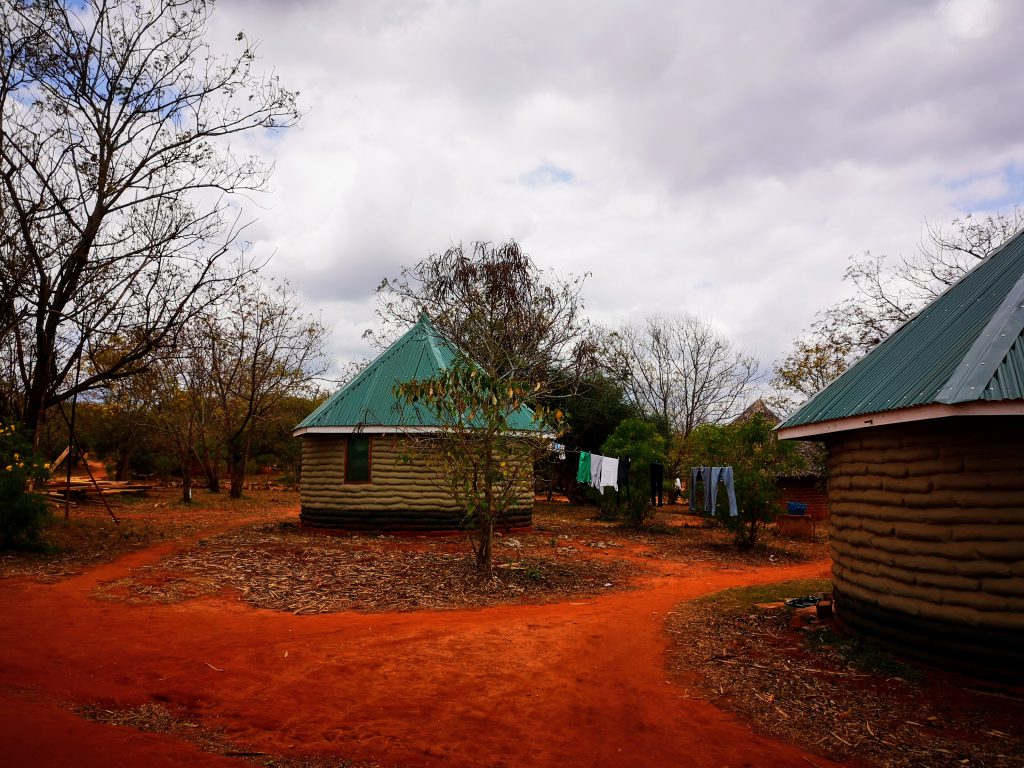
(598, 471)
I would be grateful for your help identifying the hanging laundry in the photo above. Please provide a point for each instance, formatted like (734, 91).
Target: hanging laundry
(583, 470)
(624, 473)
(657, 478)
(595, 470)
(712, 477)
(697, 475)
(609, 473)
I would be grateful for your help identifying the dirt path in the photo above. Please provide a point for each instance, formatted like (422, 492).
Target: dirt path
(580, 683)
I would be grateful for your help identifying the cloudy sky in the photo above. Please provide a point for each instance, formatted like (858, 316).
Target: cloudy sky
(722, 157)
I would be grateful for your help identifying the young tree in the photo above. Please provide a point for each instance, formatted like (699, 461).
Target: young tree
(117, 184)
(758, 458)
(521, 338)
(484, 454)
(680, 371)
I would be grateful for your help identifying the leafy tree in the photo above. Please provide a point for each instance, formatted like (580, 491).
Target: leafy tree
(117, 184)
(812, 364)
(521, 330)
(680, 371)
(486, 459)
(758, 458)
(642, 443)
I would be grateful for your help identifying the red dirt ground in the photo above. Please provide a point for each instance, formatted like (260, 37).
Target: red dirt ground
(576, 683)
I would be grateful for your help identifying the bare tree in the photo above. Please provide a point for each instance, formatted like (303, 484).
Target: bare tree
(887, 295)
(680, 370)
(117, 183)
(258, 347)
(499, 309)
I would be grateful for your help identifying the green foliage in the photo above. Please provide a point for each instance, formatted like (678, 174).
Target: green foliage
(594, 411)
(642, 443)
(21, 512)
(757, 458)
(483, 456)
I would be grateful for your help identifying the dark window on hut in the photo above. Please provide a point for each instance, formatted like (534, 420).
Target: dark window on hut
(357, 459)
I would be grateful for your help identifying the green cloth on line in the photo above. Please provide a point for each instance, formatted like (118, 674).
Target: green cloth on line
(583, 473)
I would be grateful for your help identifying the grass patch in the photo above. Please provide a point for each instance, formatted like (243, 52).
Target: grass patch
(741, 600)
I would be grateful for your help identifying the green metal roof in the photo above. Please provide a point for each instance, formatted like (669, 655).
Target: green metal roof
(963, 347)
(369, 399)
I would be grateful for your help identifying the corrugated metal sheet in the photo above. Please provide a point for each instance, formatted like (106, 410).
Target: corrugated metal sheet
(369, 399)
(1008, 382)
(960, 348)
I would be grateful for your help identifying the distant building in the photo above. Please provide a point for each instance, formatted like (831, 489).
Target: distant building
(926, 477)
(360, 468)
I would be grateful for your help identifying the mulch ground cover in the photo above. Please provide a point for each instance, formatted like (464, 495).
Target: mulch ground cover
(153, 717)
(797, 680)
(278, 565)
(283, 567)
(90, 537)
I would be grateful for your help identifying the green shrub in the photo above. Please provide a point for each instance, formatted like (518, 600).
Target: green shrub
(641, 443)
(21, 512)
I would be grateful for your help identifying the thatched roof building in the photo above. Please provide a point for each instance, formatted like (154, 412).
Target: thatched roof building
(926, 476)
(360, 469)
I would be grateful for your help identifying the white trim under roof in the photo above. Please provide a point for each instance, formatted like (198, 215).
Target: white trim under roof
(382, 430)
(902, 416)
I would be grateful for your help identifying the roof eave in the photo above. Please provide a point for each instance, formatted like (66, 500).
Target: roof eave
(822, 429)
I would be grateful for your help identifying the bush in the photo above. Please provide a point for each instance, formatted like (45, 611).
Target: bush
(640, 442)
(758, 459)
(21, 512)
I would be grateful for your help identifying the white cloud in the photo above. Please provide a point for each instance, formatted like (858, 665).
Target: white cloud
(723, 158)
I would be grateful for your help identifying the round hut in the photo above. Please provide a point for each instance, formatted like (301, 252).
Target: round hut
(926, 477)
(363, 468)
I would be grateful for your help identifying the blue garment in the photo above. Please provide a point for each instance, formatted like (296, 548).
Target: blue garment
(723, 475)
(712, 476)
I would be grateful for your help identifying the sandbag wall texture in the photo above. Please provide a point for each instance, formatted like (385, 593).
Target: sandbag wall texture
(927, 537)
(405, 494)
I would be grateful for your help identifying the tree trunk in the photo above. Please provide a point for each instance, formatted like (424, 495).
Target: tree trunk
(483, 551)
(123, 469)
(210, 472)
(236, 469)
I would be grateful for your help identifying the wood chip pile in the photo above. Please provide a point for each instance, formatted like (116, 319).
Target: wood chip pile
(157, 718)
(285, 568)
(798, 681)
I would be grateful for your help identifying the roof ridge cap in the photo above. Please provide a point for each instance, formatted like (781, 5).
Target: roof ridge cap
(971, 377)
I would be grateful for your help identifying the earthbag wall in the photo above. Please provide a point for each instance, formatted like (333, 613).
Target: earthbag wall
(405, 493)
(927, 536)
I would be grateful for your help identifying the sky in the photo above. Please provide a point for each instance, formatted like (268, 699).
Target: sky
(723, 158)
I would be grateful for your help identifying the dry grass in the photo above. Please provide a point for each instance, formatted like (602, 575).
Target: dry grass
(798, 681)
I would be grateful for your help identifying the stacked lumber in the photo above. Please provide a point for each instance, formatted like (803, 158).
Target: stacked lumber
(84, 486)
